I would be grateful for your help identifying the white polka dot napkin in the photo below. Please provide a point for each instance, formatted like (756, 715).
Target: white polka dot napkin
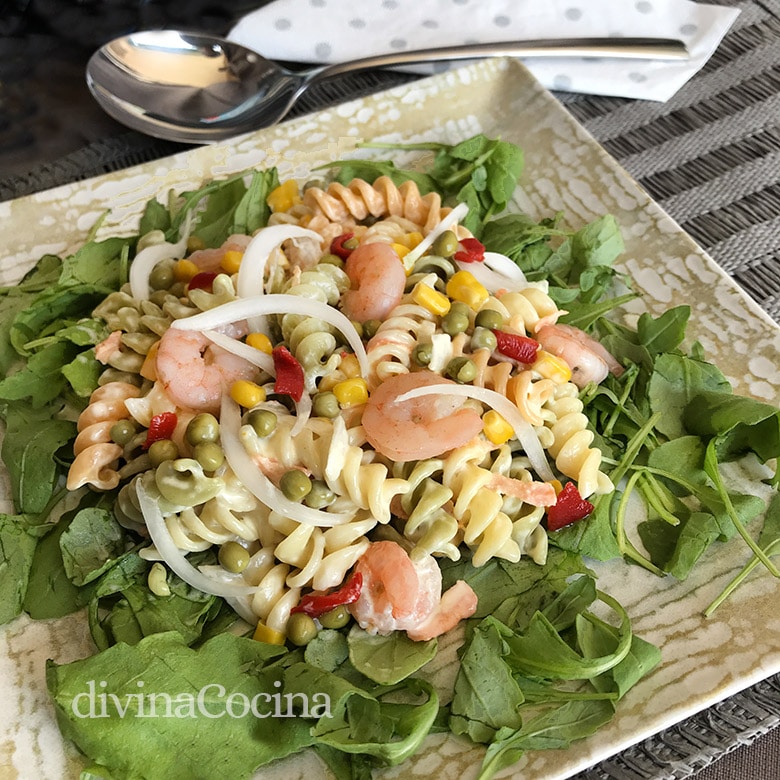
(326, 31)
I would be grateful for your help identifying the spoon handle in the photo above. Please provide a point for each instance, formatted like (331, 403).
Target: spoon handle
(626, 48)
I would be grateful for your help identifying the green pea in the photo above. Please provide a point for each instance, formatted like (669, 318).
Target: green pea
(482, 338)
(122, 432)
(446, 244)
(351, 243)
(295, 485)
(461, 369)
(370, 327)
(209, 454)
(301, 629)
(233, 557)
(455, 321)
(330, 259)
(161, 276)
(325, 404)
(320, 495)
(489, 318)
(162, 450)
(201, 428)
(358, 326)
(422, 354)
(338, 617)
(263, 421)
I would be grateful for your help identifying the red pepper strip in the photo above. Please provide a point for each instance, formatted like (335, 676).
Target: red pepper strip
(337, 245)
(473, 251)
(569, 507)
(161, 426)
(289, 373)
(513, 345)
(202, 281)
(318, 603)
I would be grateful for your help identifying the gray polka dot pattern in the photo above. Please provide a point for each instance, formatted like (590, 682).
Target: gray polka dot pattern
(327, 31)
(322, 51)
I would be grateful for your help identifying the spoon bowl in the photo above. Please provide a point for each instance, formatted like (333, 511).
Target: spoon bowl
(199, 88)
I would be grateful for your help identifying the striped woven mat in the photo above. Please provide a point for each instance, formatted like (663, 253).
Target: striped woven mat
(711, 157)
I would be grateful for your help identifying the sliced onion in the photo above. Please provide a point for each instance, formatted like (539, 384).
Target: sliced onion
(257, 252)
(236, 347)
(175, 558)
(147, 259)
(446, 223)
(257, 483)
(522, 428)
(276, 303)
(496, 272)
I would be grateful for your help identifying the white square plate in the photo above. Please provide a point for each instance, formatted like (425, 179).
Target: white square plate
(704, 660)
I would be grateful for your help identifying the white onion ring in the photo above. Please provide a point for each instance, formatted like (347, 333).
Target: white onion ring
(242, 350)
(444, 224)
(257, 252)
(496, 272)
(175, 558)
(276, 303)
(522, 428)
(257, 483)
(147, 259)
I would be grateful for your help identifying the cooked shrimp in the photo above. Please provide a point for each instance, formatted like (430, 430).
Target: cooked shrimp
(211, 259)
(107, 348)
(403, 595)
(378, 278)
(456, 604)
(421, 427)
(194, 372)
(589, 361)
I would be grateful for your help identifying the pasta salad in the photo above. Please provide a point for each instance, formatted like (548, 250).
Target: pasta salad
(296, 439)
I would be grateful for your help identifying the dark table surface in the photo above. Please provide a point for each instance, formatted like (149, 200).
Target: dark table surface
(710, 156)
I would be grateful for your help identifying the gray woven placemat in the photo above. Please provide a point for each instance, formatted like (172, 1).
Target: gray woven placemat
(711, 157)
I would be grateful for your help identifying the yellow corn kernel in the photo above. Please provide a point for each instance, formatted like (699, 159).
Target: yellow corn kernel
(260, 341)
(246, 393)
(184, 270)
(270, 636)
(551, 367)
(284, 197)
(351, 392)
(401, 250)
(349, 366)
(462, 286)
(149, 366)
(231, 261)
(410, 240)
(436, 302)
(496, 428)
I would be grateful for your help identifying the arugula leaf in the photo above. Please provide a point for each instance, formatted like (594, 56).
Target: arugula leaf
(17, 548)
(361, 723)
(90, 544)
(187, 690)
(32, 440)
(486, 696)
(387, 659)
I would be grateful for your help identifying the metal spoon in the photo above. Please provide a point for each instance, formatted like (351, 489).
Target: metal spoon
(197, 88)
